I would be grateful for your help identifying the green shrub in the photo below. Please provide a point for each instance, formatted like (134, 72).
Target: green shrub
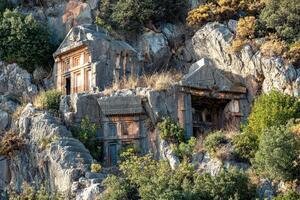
(185, 150)
(278, 153)
(245, 145)
(228, 184)
(87, 134)
(213, 141)
(25, 41)
(283, 17)
(148, 179)
(272, 109)
(134, 14)
(171, 131)
(118, 188)
(30, 193)
(290, 195)
(48, 100)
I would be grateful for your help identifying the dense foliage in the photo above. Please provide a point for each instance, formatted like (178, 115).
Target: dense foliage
(5, 4)
(185, 150)
(147, 179)
(171, 131)
(87, 134)
(213, 141)
(272, 109)
(48, 100)
(135, 14)
(25, 41)
(30, 193)
(278, 154)
(245, 146)
(283, 16)
(290, 195)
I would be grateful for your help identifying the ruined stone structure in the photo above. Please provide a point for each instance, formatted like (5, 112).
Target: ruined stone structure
(208, 100)
(123, 123)
(89, 58)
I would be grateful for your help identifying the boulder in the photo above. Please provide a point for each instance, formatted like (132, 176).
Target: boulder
(167, 154)
(265, 190)
(210, 165)
(39, 74)
(54, 155)
(15, 81)
(61, 16)
(4, 120)
(155, 50)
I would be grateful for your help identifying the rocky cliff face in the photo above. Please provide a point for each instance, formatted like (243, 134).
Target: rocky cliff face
(52, 156)
(64, 162)
(248, 67)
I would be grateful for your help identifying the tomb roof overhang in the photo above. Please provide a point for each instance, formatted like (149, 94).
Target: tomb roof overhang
(203, 76)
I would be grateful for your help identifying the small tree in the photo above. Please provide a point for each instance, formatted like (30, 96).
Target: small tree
(25, 41)
(135, 14)
(171, 131)
(213, 141)
(272, 109)
(278, 154)
(87, 134)
(245, 145)
(283, 17)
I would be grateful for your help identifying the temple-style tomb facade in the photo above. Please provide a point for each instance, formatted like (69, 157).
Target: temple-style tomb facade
(89, 58)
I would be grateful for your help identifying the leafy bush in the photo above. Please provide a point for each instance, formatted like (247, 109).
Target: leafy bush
(10, 143)
(87, 134)
(245, 145)
(272, 109)
(95, 167)
(283, 17)
(134, 14)
(231, 184)
(171, 131)
(145, 178)
(278, 153)
(48, 100)
(118, 188)
(25, 41)
(290, 195)
(213, 141)
(29, 192)
(185, 150)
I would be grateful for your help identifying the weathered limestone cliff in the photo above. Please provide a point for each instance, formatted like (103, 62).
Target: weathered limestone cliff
(248, 67)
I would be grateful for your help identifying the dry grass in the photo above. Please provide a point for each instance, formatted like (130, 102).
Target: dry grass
(10, 143)
(158, 81)
(273, 47)
(16, 115)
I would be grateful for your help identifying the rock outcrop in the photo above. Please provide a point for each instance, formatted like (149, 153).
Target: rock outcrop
(53, 156)
(60, 15)
(249, 67)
